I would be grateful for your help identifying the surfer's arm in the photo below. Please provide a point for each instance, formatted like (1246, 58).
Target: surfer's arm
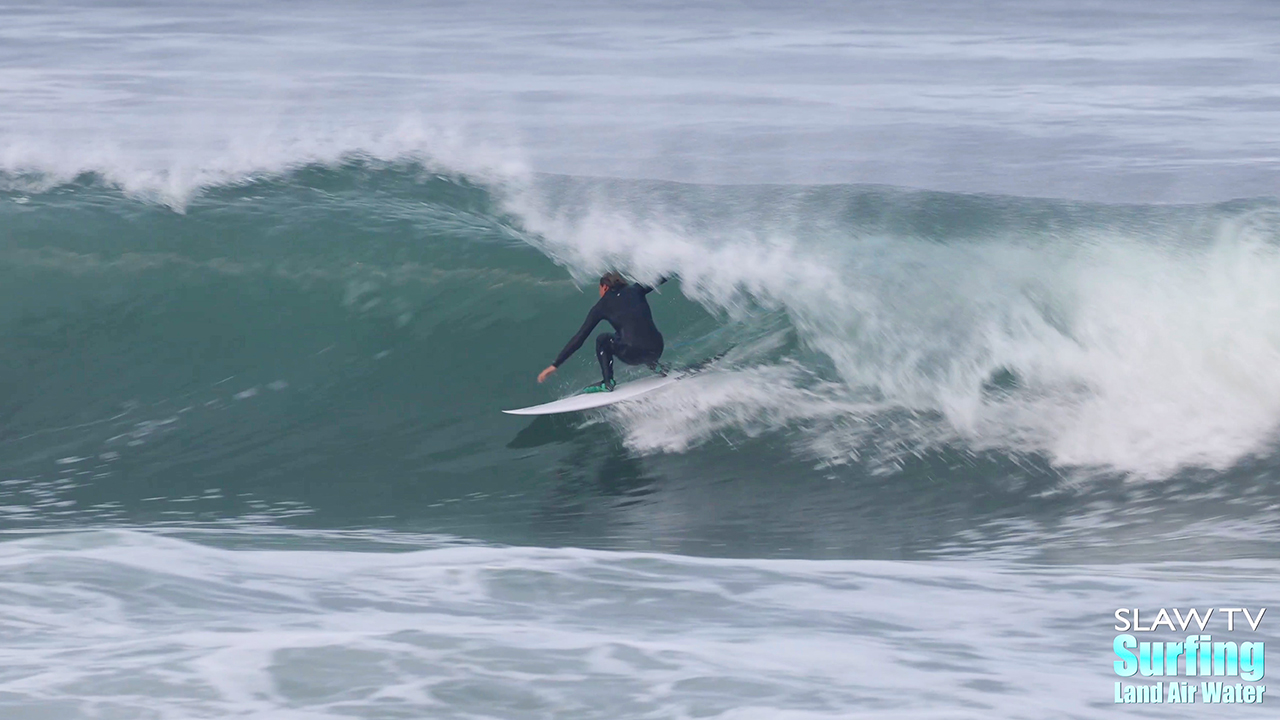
(593, 318)
(646, 289)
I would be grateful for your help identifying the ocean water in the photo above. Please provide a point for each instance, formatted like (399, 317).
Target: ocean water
(996, 290)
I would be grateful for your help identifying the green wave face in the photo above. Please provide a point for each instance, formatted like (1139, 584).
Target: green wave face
(333, 345)
(905, 371)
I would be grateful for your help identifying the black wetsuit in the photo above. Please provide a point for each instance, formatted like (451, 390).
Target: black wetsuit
(636, 340)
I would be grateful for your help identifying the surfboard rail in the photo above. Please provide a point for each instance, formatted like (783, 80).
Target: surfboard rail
(621, 393)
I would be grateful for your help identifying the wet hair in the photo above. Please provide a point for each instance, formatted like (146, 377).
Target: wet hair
(613, 281)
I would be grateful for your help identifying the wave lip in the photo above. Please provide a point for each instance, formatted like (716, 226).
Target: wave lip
(175, 174)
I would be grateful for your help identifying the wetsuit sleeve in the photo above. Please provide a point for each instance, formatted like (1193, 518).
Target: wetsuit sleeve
(646, 289)
(593, 318)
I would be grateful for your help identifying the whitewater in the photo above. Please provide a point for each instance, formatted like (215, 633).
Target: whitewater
(996, 292)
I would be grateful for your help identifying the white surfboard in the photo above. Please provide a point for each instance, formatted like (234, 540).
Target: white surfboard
(621, 393)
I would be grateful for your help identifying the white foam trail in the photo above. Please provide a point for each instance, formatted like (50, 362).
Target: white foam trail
(1177, 349)
(134, 625)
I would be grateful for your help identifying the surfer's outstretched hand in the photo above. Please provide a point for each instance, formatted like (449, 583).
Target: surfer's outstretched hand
(546, 373)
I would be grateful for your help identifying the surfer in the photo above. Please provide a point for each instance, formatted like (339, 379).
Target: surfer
(635, 340)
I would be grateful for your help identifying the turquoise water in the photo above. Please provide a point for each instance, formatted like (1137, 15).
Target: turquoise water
(995, 293)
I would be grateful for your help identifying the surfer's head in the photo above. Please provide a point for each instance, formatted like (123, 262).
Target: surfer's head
(611, 281)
